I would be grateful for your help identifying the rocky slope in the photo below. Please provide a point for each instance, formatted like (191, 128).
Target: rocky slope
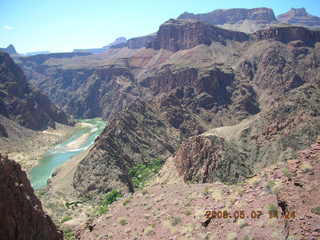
(299, 16)
(276, 135)
(133, 136)
(22, 216)
(283, 195)
(21, 103)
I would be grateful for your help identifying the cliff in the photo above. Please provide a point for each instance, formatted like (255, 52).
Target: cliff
(175, 35)
(287, 34)
(232, 16)
(140, 42)
(22, 216)
(21, 103)
(299, 16)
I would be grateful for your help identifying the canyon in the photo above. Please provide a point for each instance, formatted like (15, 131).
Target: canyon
(231, 115)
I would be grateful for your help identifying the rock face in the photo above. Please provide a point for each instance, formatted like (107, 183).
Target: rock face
(299, 16)
(175, 35)
(10, 49)
(289, 34)
(140, 42)
(133, 136)
(232, 16)
(19, 102)
(22, 216)
(207, 159)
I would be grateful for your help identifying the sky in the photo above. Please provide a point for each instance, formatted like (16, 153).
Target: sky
(64, 25)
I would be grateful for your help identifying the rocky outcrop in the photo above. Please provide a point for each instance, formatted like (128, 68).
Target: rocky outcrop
(299, 16)
(288, 34)
(10, 50)
(140, 42)
(232, 16)
(133, 136)
(175, 35)
(22, 216)
(21, 103)
(203, 159)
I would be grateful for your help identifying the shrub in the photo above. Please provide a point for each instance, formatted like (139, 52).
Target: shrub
(141, 173)
(65, 219)
(108, 199)
(122, 221)
(68, 235)
(316, 210)
(175, 221)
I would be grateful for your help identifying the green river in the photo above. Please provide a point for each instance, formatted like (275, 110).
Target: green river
(64, 151)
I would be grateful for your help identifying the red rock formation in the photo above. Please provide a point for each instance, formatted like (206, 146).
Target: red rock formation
(288, 34)
(175, 35)
(22, 216)
(203, 159)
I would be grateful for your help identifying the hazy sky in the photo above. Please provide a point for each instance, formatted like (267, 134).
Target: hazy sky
(62, 25)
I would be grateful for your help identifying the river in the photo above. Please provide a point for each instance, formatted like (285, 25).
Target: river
(80, 141)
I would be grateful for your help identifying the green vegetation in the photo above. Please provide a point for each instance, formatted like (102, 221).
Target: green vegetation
(270, 185)
(175, 221)
(108, 199)
(65, 219)
(316, 210)
(272, 209)
(68, 235)
(122, 221)
(286, 173)
(141, 173)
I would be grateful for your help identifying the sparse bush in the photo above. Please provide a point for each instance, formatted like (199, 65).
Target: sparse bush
(68, 235)
(316, 210)
(187, 212)
(306, 167)
(272, 209)
(122, 221)
(286, 173)
(109, 198)
(65, 219)
(270, 185)
(206, 191)
(126, 201)
(175, 221)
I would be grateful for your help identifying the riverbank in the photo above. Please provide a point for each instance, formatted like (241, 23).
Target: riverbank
(29, 149)
(81, 139)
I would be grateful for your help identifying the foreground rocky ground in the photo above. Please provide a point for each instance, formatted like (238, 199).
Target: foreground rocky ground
(22, 216)
(175, 210)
